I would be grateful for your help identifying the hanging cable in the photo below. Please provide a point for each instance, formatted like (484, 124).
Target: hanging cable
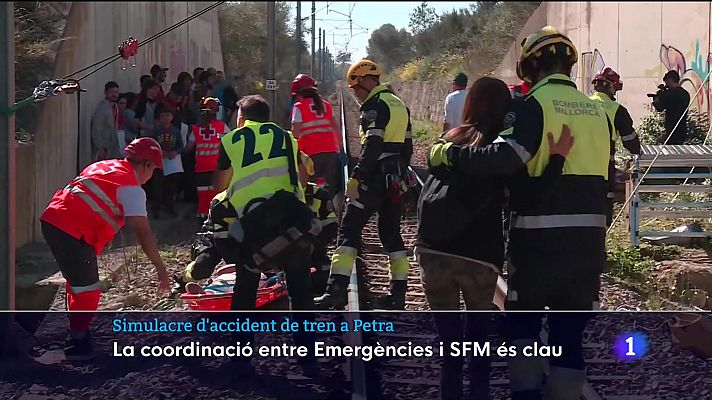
(640, 181)
(111, 59)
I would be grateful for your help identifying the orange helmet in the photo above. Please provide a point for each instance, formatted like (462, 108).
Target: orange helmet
(145, 149)
(360, 69)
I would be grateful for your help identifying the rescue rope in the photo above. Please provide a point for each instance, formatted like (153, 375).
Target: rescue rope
(640, 181)
(108, 60)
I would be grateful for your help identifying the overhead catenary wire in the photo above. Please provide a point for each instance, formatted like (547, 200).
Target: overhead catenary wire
(108, 60)
(640, 181)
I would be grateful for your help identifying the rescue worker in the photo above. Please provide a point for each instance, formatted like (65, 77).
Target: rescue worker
(83, 217)
(376, 185)
(205, 138)
(213, 241)
(316, 130)
(205, 250)
(259, 161)
(606, 83)
(556, 248)
(320, 202)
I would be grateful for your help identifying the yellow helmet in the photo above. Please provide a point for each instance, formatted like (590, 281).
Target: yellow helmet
(360, 69)
(545, 39)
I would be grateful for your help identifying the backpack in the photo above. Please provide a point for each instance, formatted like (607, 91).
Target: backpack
(445, 208)
(273, 229)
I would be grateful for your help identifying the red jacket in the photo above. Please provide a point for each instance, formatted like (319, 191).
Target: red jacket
(317, 135)
(207, 145)
(87, 207)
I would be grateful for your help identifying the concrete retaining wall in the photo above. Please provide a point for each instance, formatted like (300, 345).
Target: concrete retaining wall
(93, 32)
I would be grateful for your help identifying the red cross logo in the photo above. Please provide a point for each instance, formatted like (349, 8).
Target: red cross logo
(208, 133)
(315, 111)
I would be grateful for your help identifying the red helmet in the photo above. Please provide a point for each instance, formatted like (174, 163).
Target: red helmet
(609, 75)
(145, 149)
(302, 81)
(210, 104)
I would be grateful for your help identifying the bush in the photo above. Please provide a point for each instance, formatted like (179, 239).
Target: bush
(652, 129)
(470, 41)
(425, 129)
(629, 264)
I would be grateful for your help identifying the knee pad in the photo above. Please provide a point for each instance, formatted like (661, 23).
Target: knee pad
(343, 260)
(203, 265)
(399, 265)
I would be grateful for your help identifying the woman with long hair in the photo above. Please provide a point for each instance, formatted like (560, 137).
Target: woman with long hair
(316, 131)
(460, 245)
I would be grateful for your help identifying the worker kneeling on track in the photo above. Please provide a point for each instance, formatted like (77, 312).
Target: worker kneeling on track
(275, 229)
(205, 252)
(377, 184)
(214, 241)
(83, 217)
(557, 249)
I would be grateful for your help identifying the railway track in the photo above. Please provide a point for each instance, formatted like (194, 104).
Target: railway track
(406, 378)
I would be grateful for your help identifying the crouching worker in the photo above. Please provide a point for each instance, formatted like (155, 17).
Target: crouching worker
(213, 237)
(275, 230)
(319, 200)
(83, 217)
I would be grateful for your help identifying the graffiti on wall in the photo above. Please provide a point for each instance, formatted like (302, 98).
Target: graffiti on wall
(693, 77)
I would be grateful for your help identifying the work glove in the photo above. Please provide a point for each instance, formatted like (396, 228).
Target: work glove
(343, 158)
(438, 154)
(352, 188)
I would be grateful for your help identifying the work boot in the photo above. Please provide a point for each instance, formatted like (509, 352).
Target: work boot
(336, 296)
(395, 300)
(79, 349)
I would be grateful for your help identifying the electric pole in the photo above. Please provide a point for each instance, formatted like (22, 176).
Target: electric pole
(271, 84)
(7, 157)
(299, 38)
(313, 45)
(318, 77)
(7, 175)
(323, 58)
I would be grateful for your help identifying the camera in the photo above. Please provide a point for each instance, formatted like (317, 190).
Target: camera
(661, 88)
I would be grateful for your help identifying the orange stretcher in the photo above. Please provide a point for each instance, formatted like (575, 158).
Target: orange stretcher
(216, 295)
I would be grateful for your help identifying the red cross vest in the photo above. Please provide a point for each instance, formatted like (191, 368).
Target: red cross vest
(207, 145)
(87, 207)
(317, 135)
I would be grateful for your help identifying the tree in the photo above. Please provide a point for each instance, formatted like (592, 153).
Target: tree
(244, 42)
(390, 47)
(422, 18)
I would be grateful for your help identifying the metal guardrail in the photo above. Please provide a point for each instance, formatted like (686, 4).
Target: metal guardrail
(687, 157)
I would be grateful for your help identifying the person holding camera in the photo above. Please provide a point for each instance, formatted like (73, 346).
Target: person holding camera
(674, 100)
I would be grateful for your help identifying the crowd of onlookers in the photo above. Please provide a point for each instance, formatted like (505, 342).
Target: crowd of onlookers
(166, 113)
